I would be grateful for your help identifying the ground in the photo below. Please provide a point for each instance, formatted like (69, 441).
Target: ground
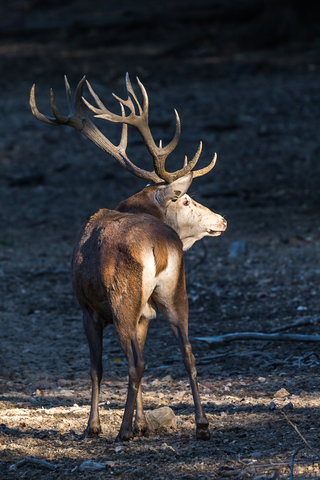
(258, 108)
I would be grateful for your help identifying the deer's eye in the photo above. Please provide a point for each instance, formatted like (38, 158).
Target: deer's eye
(186, 201)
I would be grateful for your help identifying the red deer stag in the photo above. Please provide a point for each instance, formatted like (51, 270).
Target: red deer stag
(128, 263)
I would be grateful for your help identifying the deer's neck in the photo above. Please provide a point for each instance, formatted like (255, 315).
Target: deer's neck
(142, 202)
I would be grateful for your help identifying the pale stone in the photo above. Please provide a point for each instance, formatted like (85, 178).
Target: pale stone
(262, 379)
(282, 393)
(161, 418)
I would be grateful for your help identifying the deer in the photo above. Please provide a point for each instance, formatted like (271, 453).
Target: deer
(128, 263)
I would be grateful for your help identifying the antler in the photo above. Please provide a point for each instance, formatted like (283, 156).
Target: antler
(140, 122)
(79, 120)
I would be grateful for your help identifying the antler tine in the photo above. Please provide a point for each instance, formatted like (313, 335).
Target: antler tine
(131, 91)
(188, 166)
(203, 171)
(127, 103)
(61, 119)
(124, 134)
(103, 112)
(174, 142)
(69, 96)
(78, 103)
(58, 119)
(145, 97)
(96, 99)
(35, 111)
(75, 108)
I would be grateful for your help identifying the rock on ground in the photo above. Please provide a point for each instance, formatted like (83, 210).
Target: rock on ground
(161, 418)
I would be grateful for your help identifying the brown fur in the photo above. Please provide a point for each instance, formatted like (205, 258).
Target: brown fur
(107, 261)
(160, 253)
(142, 202)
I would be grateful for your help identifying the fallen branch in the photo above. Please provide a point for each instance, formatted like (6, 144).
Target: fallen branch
(300, 434)
(292, 460)
(305, 357)
(281, 464)
(301, 322)
(34, 461)
(208, 358)
(221, 340)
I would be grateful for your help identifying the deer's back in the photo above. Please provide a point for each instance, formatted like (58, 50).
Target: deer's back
(123, 254)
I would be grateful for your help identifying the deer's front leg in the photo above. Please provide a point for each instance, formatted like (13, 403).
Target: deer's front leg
(176, 310)
(93, 329)
(179, 330)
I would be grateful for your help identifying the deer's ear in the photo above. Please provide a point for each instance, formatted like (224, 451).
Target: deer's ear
(174, 190)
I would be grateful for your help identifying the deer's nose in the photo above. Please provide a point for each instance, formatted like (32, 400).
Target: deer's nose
(225, 223)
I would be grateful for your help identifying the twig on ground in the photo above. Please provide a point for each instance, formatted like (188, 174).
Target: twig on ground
(305, 357)
(299, 323)
(221, 340)
(207, 359)
(34, 461)
(268, 466)
(298, 432)
(286, 464)
(291, 463)
(298, 362)
(274, 363)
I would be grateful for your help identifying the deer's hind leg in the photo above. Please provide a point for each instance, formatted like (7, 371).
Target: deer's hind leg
(126, 315)
(140, 427)
(93, 328)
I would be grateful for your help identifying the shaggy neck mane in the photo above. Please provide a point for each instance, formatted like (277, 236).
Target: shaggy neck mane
(142, 202)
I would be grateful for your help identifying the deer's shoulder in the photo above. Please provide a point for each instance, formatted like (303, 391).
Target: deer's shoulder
(126, 228)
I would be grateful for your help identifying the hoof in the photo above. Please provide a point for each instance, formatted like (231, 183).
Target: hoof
(141, 430)
(124, 437)
(92, 432)
(203, 433)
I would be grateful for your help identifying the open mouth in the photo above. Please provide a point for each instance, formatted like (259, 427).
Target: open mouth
(213, 233)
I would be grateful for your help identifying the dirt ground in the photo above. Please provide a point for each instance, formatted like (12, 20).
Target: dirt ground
(254, 102)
